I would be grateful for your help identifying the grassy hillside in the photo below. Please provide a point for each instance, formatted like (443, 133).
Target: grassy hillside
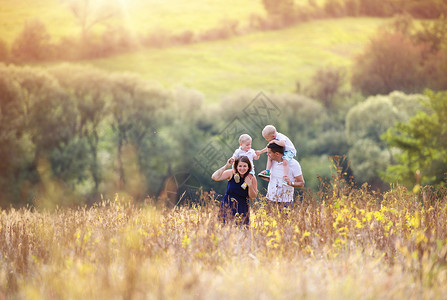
(264, 61)
(139, 15)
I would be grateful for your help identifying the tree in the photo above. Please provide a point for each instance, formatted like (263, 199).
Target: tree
(280, 9)
(433, 33)
(89, 91)
(13, 146)
(326, 85)
(367, 158)
(93, 12)
(404, 58)
(37, 123)
(390, 62)
(137, 109)
(422, 141)
(33, 43)
(425, 9)
(49, 120)
(365, 124)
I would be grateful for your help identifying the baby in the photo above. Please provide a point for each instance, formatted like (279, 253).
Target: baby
(246, 150)
(272, 136)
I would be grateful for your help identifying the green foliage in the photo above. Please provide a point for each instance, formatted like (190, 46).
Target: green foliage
(330, 142)
(367, 160)
(423, 143)
(299, 120)
(136, 106)
(365, 124)
(90, 98)
(326, 85)
(316, 169)
(41, 117)
(13, 153)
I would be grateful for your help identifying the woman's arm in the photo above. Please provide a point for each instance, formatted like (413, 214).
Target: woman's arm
(223, 173)
(252, 184)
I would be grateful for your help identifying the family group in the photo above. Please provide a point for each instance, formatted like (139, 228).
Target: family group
(283, 172)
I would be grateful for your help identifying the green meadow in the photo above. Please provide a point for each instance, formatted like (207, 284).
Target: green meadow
(141, 16)
(269, 61)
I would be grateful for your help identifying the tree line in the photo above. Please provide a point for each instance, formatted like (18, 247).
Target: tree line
(70, 134)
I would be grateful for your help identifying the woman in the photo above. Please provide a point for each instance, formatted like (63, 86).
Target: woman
(241, 186)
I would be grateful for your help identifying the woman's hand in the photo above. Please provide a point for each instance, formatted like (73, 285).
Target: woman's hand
(252, 184)
(248, 181)
(221, 174)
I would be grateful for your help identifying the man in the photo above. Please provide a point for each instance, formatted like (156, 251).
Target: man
(277, 191)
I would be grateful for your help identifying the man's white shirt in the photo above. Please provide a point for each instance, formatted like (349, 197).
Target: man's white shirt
(276, 191)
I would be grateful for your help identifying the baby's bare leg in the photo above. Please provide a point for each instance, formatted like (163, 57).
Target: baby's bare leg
(285, 163)
(269, 163)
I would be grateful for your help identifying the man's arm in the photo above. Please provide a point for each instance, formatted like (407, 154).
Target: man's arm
(297, 182)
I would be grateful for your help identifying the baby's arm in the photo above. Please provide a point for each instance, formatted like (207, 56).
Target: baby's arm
(279, 143)
(259, 152)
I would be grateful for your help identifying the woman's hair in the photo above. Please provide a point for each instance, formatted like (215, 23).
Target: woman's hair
(245, 160)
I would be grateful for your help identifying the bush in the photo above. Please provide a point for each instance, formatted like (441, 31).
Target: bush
(284, 10)
(390, 62)
(33, 43)
(326, 85)
(226, 29)
(334, 8)
(427, 9)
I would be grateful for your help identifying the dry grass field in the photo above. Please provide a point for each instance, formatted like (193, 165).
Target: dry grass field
(338, 244)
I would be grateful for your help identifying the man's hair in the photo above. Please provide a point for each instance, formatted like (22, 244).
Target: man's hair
(274, 147)
(268, 130)
(244, 138)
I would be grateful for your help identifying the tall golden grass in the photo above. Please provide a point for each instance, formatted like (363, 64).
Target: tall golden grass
(337, 244)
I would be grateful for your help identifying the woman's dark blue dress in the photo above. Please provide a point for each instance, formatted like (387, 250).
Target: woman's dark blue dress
(235, 203)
